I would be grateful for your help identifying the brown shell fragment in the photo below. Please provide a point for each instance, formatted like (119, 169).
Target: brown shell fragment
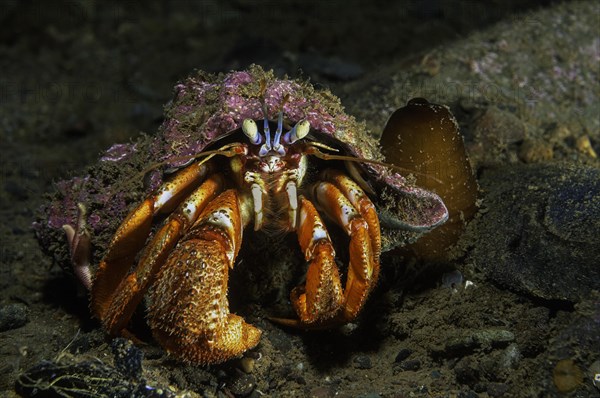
(424, 137)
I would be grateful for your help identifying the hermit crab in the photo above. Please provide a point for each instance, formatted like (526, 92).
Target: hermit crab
(239, 154)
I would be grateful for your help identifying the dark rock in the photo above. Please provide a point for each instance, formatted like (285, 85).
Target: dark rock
(241, 384)
(321, 392)
(13, 316)
(128, 358)
(540, 236)
(497, 389)
(494, 130)
(467, 394)
(510, 358)
(467, 341)
(411, 364)
(363, 362)
(403, 354)
(467, 371)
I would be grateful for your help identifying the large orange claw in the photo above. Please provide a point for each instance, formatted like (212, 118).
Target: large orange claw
(186, 262)
(195, 323)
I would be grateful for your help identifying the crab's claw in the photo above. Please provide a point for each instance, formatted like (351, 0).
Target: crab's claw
(80, 247)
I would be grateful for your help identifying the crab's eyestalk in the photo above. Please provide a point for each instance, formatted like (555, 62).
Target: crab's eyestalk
(276, 140)
(299, 131)
(250, 129)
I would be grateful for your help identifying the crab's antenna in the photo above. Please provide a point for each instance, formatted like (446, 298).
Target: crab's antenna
(277, 138)
(228, 150)
(314, 150)
(266, 147)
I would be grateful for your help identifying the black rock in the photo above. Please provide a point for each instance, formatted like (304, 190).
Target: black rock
(538, 233)
(13, 316)
(363, 362)
(241, 384)
(403, 354)
(411, 364)
(128, 358)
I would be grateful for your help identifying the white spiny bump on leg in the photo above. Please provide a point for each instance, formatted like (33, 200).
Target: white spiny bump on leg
(292, 202)
(170, 193)
(258, 206)
(346, 210)
(162, 198)
(190, 210)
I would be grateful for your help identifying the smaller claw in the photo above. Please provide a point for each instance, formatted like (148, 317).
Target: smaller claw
(80, 247)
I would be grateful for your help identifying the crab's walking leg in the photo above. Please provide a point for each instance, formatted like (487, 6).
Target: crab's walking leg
(130, 291)
(361, 202)
(321, 303)
(133, 232)
(80, 247)
(189, 314)
(364, 265)
(321, 298)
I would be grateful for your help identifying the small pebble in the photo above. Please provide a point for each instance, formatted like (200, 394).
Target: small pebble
(535, 151)
(567, 376)
(411, 364)
(497, 389)
(128, 358)
(452, 280)
(510, 357)
(247, 364)
(584, 146)
(467, 371)
(13, 316)
(403, 354)
(363, 362)
(321, 392)
(241, 384)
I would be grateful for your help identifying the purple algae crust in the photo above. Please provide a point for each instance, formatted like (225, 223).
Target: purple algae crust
(207, 107)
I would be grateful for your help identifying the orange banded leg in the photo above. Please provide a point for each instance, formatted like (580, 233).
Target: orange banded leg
(131, 290)
(189, 314)
(364, 266)
(361, 202)
(321, 298)
(133, 232)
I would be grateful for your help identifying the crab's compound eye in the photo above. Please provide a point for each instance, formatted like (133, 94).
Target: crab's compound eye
(251, 131)
(302, 129)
